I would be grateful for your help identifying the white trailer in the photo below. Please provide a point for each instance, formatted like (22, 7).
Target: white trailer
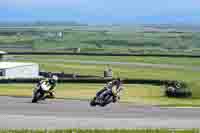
(19, 70)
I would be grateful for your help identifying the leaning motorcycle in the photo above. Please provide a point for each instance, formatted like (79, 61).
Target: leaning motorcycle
(39, 92)
(103, 99)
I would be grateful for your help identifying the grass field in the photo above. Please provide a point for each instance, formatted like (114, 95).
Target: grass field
(61, 63)
(195, 62)
(81, 91)
(100, 37)
(57, 64)
(119, 70)
(116, 40)
(136, 94)
(102, 131)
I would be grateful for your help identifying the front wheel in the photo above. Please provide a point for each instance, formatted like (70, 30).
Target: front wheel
(92, 102)
(34, 100)
(37, 96)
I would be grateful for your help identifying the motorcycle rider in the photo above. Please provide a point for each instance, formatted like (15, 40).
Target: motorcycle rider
(51, 83)
(114, 88)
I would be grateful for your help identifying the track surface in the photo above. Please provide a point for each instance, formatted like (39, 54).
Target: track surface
(21, 113)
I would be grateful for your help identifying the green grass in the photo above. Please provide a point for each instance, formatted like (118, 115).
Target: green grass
(135, 94)
(58, 64)
(15, 40)
(101, 131)
(130, 59)
(105, 37)
(122, 71)
(189, 76)
(114, 40)
(81, 91)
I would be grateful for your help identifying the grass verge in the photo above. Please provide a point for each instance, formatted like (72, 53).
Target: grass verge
(135, 94)
(58, 64)
(130, 59)
(119, 70)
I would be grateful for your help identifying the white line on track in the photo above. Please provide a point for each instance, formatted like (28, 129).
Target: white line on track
(180, 107)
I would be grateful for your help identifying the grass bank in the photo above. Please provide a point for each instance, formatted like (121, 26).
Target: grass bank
(80, 91)
(58, 64)
(135, 94)
(130, 59)
(118, 70)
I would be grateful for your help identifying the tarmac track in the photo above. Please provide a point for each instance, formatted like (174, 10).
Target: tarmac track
(21, 113)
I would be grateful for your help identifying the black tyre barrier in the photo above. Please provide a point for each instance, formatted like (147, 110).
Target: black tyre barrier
(64, 75)
(86, 80)
(103, 54)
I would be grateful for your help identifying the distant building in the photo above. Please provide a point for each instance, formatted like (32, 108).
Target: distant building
(60, 34)
(19, 70)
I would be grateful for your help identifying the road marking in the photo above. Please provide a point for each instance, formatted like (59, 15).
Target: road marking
(180, 107)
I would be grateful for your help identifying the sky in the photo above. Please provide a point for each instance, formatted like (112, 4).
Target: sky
(102, 11)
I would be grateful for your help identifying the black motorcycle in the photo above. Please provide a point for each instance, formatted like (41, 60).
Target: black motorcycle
(103, 99)
(39, 93)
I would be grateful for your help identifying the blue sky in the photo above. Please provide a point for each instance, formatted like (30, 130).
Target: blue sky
(102, 11)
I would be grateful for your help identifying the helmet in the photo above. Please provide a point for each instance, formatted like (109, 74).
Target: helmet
(53, 80)
(54, 77)
(119, 79)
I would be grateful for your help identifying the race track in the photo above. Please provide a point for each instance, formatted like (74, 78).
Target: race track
(21, 113)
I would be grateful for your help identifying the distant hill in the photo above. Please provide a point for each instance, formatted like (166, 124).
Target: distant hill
(173, 27)
(40, 23)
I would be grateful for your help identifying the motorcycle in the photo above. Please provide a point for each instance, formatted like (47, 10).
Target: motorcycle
(105, 98)
(39, 92)
(177, 89)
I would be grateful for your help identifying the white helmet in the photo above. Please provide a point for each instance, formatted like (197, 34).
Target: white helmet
(54, 77)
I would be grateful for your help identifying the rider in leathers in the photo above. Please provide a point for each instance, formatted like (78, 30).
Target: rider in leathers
(114, 88)
(51, 82)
